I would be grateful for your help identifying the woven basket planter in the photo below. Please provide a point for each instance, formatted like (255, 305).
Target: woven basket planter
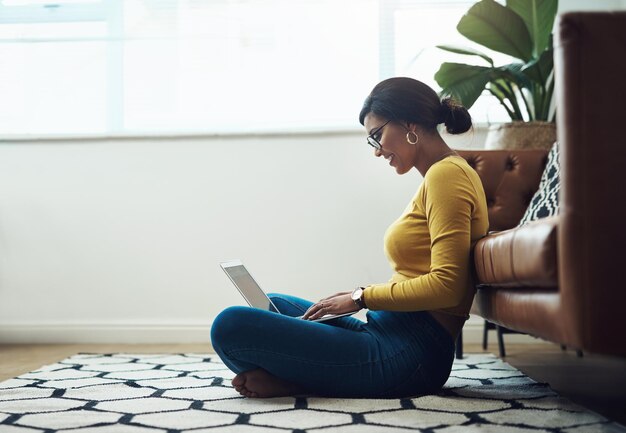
(521, 135)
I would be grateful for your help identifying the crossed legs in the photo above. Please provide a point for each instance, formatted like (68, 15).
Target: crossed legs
(257, 344)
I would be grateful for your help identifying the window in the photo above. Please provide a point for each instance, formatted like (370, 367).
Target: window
(211, 66)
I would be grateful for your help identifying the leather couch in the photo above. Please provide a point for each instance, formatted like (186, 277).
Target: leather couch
(560, 278)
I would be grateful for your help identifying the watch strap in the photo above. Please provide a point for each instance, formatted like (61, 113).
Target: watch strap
(360, 301)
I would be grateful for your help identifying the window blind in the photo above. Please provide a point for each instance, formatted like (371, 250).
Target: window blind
(212, 66)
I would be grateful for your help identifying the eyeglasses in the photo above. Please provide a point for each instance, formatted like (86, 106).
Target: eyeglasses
(372, 140)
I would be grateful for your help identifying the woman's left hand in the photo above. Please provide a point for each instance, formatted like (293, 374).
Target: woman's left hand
(338, 304)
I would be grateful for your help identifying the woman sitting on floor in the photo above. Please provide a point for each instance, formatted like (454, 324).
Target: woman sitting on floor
(406, 347)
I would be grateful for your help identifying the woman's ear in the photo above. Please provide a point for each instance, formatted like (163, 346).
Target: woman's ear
(418, 129)
(413, 127)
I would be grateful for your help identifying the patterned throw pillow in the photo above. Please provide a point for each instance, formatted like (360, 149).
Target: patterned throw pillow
(545, 202)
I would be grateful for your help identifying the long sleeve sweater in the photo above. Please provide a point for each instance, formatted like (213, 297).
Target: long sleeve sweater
(429, 246)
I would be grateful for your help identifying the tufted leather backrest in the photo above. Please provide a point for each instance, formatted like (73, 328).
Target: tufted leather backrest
(510, 178)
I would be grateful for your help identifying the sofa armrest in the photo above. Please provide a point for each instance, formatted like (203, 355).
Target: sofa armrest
(520, 257)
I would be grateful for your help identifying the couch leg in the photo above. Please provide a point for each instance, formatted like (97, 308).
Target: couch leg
(459, 345)
(579, 353)
(500, 341)
(485, 334)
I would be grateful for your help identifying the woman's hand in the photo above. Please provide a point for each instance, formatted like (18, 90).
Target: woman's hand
(336, 304)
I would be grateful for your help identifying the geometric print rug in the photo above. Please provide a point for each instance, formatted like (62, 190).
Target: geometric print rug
(191, 392)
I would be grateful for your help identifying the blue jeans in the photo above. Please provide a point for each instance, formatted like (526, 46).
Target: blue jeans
(392, 355)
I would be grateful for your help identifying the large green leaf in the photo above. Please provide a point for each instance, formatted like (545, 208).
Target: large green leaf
(540, 69)
(539, 18)
(465, 51)
(512, 73)
(496, 27)
(463, 82)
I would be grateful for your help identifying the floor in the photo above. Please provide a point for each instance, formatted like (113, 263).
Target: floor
(595, 382)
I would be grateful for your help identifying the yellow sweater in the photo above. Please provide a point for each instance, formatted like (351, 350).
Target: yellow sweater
(429, 246)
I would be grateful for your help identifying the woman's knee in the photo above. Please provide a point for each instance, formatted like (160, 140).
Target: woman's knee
(227, 324)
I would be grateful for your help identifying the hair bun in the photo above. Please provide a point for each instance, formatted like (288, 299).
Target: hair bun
(455, 116)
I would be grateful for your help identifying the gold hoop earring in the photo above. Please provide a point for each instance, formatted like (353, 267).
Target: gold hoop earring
(409, 139)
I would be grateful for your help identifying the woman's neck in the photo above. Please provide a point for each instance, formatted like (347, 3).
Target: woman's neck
(432, 151)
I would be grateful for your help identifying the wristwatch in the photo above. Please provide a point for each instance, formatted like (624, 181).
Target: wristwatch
(357, 297)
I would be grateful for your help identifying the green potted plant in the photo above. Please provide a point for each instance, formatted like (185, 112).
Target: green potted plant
(521, 29)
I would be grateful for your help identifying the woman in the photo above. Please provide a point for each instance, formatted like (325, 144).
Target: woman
(406, 347)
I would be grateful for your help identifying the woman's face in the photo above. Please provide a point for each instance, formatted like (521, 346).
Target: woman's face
(392, 137)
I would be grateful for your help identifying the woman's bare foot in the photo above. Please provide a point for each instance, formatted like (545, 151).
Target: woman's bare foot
(261, 384)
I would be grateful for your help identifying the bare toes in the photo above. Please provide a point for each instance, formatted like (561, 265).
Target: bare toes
(239, 380)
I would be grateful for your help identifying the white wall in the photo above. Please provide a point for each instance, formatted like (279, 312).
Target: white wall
(119, 240)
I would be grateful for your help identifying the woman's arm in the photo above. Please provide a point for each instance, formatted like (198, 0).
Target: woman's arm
(338, 303)
(449, 200)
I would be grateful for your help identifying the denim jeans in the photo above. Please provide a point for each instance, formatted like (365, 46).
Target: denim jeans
(393, 354)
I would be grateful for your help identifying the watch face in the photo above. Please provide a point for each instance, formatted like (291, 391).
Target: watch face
(357, 294)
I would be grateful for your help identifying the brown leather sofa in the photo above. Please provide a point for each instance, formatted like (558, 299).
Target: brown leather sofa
(560, 278)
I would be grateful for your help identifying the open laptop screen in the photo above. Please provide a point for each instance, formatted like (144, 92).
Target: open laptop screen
(247, 286)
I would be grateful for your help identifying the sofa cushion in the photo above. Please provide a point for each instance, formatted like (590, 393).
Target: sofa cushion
(520, 257)
(545, 201)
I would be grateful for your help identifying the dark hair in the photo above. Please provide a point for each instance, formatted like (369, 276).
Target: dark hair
(409, 100)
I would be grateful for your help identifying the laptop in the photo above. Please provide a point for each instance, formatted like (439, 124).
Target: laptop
(254, 295)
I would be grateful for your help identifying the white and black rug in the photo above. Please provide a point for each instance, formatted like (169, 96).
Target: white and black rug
(171, 393)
